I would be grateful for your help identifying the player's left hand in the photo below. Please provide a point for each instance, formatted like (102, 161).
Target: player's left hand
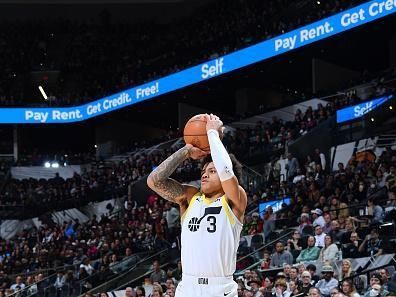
(213, 122)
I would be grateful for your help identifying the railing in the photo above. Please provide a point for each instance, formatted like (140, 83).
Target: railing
(117, 281)
(287, 234)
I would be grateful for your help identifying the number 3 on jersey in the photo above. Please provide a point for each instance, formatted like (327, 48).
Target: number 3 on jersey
(212, 222)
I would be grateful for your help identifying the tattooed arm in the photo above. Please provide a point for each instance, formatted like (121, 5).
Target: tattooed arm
(169, 188)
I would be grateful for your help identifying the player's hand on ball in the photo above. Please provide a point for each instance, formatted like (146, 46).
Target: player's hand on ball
(213, 122)
(196, 153)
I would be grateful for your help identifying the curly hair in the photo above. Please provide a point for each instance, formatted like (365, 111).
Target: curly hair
(236, 165)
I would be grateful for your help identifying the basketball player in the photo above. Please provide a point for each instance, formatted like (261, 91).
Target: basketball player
(211, 217)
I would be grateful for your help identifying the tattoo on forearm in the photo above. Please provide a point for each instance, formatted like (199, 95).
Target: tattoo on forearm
(163, 185)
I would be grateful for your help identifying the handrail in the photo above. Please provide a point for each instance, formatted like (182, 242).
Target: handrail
(126, 272)
(27, 288)
(139, 277)
(265, 245)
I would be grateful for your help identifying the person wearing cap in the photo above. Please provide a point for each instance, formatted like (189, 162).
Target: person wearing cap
(311, 253)
(318, 218)
(328, 282)
(376, 287)
(281, 256)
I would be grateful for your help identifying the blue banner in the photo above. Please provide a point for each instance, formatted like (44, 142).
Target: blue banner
(359, 110)
(275, 204)
(316, 31)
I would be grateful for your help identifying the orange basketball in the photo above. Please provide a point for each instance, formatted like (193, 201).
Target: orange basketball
(195, 132)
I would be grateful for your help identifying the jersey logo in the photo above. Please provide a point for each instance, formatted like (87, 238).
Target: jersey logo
(194, 223)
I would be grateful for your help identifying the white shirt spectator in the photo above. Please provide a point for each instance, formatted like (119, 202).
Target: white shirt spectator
(320, 240)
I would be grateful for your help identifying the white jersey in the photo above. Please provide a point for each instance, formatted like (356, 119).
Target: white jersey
(209, 238)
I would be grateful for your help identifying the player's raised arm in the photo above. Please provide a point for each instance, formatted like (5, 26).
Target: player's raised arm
(223, 164)
(159, 179)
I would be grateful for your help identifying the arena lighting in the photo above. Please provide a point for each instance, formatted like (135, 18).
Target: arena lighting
(55, 165)
(43, 92)
(278, 45)
(372, 119)
(390, 107)
(47, 164)
(95, 146)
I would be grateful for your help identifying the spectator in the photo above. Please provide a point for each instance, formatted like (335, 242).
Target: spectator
(376, 284)
(281, 289)
(311, 268)
(311, 253)
(171, 215)
(18, 283)
(294, 245)
(281, 256)
(349, 289)
(291, 167)
(371, 245)
(329, 253)
(319, 158)
(129, 292)
(306, 284)
(327, 225)
(158, 275)
(328, 282)
(319, 237)
(266, 262)
(318, 218)
(375, 211)
(385, 277)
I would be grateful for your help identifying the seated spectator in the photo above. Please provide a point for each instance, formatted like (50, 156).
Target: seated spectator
(306, 283)
(327, 226)
(336, 233)
(349, 228)
(346, 272)
(293, 275)
(294, 289)
(304, 222)
(281, 289)
(385, 277)
(328, 282)
(318, 219)
(351, 249)
(311, 268)
(311, 253)
(266, 263)
(18, 283)
(158, 274)
(294, 245)
(349, 289)
(371, 245)
(375, 288)
(286, 270)
(329, 253)
(376, 211)
(338, 208)
(280, 256)
(319, 237)
(314, 292)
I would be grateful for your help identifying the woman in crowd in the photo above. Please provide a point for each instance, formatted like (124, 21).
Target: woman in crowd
(349, 289)
(330, 251)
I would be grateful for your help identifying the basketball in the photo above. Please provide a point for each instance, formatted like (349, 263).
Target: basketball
(195, 132)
